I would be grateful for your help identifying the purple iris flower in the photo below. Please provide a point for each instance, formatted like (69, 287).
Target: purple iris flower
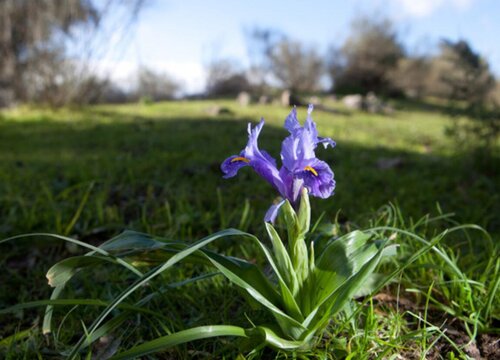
(300, 166)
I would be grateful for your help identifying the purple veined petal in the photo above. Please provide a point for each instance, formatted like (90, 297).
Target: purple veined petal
(326, 141)
(268, 157)
(289, 154)
(267, 170)
(232, 164)
(297, 148)
(291, 121)
(318, 178)
(262, 163)
(286, 177)
(252, 148)
(298, 184)
(311, 126)
(272, 213)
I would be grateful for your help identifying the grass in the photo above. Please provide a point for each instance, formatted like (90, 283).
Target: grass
(90, 173)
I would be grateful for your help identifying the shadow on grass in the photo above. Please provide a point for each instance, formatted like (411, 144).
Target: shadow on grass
(142, 165)
(162, 176)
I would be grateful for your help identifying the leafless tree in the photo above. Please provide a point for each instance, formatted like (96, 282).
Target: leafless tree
(297, 67)
(155, 86)
(34, 40)
(225, 78)
(294, 65)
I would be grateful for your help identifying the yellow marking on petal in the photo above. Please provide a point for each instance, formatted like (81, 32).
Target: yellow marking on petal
(240, 158)
(311, 169)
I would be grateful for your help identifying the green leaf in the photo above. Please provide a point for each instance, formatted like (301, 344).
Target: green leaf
(251, 279)
(288, 298)
(149, 276)
(296, 243)
(333, 303)
(269, 337)
(304, 215)
(131, 240)
(284, 267)
(340, 259)
(64, 270)
(184, 336)
(9, 341)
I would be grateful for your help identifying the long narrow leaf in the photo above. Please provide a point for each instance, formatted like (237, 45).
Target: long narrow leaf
(184, 336)
(149, 276)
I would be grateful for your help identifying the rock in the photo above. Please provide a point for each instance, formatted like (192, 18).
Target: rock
(314, 100)
(264, 99)
(389, 163)
(372, 103)
(218, 110)
(288, 99)
(243, 98)
(332, 98)
(354, 102)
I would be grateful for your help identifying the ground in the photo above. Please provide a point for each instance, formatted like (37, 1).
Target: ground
(90, 173)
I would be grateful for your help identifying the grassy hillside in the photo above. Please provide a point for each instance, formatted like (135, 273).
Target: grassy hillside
(91, 173)
(149, 163)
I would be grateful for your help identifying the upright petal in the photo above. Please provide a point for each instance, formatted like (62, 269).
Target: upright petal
(291, 121)
(252, 148)
(310, 125)
(297, 148)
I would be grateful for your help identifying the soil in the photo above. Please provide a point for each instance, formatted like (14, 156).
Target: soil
(484, 347)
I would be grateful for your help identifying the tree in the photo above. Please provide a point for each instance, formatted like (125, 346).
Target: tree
(471, 92)
(225, 78)
(412, 76)
(467, 75)
(291, 64)
(156, 86)
(296, 67)
(366, 59)
(34, 39)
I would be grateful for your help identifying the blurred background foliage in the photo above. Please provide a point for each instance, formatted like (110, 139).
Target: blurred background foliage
(39, 40)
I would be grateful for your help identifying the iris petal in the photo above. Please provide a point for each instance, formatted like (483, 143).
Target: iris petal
(320, 184)
(272, 213)
(291, 121)
(301, 168)
(230, 167)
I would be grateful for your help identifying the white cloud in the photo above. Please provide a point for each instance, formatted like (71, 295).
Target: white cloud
(190, 74)
(423, 8)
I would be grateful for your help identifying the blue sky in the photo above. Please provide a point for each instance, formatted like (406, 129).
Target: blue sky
(181, 36)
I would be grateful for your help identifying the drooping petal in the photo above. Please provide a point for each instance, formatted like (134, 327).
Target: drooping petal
(318, 178)
(260, 161)
(232, 164)
(267, 170)
(268, 157)
(291, 121)
(272, 213)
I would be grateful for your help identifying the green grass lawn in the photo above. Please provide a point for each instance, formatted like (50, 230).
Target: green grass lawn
(91, 173)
